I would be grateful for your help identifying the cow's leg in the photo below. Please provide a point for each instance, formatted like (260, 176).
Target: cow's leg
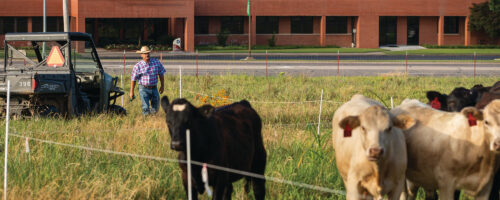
(446, 190)
(353, 188)
(259, 188)
(396, 193)
(228, 191)
(259, 167)
(456, 195)
(412, 190)
(494, 195)
(484, 194)
(194, 192)
(219, 190)
(430, 194)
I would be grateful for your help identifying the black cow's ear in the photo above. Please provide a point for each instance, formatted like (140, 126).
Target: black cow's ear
(164, 103)
(206, 110)
(431, 95)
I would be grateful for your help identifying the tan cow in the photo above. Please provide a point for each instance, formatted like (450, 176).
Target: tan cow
(370, 149)
(449, 151)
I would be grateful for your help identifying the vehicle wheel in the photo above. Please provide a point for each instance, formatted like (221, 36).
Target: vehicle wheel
(48, 111)
(116, 109)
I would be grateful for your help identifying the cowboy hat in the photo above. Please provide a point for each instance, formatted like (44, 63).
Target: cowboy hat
(144, 49)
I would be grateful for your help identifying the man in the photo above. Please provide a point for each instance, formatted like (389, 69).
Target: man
(146, 72)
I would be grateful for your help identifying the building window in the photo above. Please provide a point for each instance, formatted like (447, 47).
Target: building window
(451, 25)
(13, 24)
(54, 24)
(336, 24)
(233, 24)
(267, 25)
(201, 25)
(301, 24)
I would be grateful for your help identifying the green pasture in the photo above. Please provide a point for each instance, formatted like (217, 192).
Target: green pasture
(289, 107)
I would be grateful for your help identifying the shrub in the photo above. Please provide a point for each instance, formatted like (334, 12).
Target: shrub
(222, 37)
(272, 41)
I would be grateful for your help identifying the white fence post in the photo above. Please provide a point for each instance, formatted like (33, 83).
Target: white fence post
(6, 142)
(180, 81)
(320, 105)
(392, 103)
(188, 143)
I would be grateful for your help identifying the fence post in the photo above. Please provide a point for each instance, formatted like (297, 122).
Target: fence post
(180, 81)
(406, 71)
(121, 85)
(320, 105)
(392, 103)
(6, 142)
(475, 64)
(196, 62)
(123, 62)
(266, 62)
(188, 143)
(338, 62)
(161, 57)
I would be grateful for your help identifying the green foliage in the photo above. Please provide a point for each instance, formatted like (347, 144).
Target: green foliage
(482, 18)
(272, 41)
(494, 5)
(222, 37)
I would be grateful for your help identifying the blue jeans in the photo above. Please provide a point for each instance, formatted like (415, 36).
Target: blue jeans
(147, 95)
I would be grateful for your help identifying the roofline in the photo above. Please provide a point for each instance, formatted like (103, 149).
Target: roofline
(47, 36)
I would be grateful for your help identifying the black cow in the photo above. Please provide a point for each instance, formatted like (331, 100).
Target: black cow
(229, 136)
(454, 102)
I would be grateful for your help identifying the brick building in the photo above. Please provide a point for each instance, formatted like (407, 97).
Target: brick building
(362, 23)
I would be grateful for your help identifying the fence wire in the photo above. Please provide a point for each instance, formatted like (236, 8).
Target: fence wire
(216, 167)
(315, 64)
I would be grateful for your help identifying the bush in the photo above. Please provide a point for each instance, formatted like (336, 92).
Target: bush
(222, 37)
(272, 41)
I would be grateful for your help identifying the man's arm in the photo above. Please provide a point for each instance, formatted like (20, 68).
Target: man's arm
(132, 87)
(161, 84)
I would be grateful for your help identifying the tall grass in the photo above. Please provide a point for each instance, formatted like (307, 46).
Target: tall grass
(295, 151)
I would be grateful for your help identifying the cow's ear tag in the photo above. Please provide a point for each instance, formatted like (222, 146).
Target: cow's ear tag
(436, 104)
(347, 131)
(472, 120)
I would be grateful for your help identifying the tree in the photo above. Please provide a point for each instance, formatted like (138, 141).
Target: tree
(482, 18)
(494, 5)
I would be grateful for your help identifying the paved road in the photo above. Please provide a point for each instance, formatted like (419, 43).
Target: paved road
(313, 67)
(296, 56)
(319, 68)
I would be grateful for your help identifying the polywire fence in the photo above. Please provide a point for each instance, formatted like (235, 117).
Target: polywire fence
(325, 64)
(331, 64)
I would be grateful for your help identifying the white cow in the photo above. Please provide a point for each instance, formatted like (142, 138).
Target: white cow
(449, 151)
(370, 148)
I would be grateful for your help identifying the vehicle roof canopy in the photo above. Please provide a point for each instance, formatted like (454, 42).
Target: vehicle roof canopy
(47, 36)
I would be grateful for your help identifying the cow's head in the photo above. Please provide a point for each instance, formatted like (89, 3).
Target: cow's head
(437, 100)
(180, 115)
(373, 126)
(460, 98)
(491, 120)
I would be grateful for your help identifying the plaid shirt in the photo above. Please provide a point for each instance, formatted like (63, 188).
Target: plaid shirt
(147, 74)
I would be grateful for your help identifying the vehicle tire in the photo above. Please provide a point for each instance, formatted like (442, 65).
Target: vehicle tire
(116, 109)
(48, 111)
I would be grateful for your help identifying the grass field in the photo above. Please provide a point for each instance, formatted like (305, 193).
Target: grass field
(286, 104)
